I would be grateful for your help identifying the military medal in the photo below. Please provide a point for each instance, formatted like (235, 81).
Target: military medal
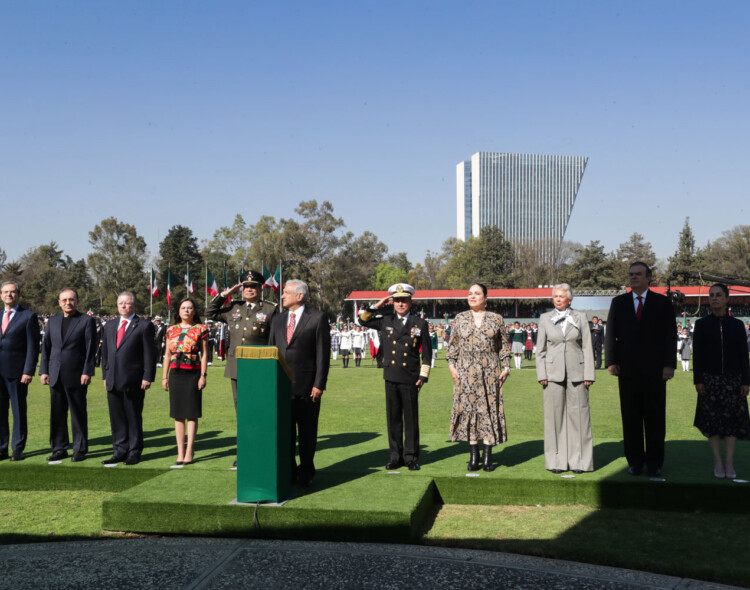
(416, 332)
(261, 318)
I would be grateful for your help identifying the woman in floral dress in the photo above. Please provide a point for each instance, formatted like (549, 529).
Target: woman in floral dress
(184, 375)
(479, 361)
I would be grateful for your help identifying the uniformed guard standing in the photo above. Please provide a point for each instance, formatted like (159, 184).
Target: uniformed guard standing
(402, 334)
(160, 333)
(248, 321)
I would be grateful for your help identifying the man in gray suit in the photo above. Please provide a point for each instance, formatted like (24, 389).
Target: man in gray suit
(565, 369)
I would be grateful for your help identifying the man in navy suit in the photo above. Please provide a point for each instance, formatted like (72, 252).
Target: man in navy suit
(128, 369)
(19, 351)
(303, 337)
(640, 345)
(68, 360)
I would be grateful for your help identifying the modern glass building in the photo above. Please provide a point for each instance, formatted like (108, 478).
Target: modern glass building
(528, 196)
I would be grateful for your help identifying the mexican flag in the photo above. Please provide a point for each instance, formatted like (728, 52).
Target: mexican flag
(153, 287)
(272, 280)
(189, 282)
(211, 287)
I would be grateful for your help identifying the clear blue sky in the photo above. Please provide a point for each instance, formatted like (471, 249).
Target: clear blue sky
(186, 112)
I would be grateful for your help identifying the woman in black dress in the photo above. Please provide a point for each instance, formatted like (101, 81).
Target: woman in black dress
(722, 379)
(184, 375)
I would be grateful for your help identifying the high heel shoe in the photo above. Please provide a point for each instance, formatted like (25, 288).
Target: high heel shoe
(719, 472)
(730, 473)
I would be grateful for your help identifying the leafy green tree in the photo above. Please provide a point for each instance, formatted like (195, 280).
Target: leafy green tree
(636, 249)
(117, 261)
(386, 275)
(400, 261)
(592, 269)
(12, 271)
(729, 256)
(487, 259)
(177, 251)
(686, 259)
(350, 269)
(234, 241)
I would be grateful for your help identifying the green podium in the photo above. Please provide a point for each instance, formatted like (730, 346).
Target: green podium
(264, 423)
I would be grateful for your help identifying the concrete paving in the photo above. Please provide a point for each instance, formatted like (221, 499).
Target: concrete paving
(210, 563)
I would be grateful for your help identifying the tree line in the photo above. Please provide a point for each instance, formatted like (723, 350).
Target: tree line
(315, 247)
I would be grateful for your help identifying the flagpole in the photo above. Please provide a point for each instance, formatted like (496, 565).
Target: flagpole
(151, 294)
(205, 305)
(281, 283)
(169, 303)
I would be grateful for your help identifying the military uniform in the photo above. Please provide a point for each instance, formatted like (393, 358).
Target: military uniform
(400, 344)
(247, 326)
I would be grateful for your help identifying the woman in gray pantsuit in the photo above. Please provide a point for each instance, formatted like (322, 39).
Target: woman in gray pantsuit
(565, 369)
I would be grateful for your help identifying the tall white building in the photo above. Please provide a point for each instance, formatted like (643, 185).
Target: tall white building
(529, 197)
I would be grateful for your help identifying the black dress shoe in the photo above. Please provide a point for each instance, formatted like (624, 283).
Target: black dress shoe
(235, 463)
(633, 470)
(3, 455)
(113, 460)
(57, 455)
(305, 483)
(135, 459)
(394, 464)
(17, 456)
(578, 471)
(413, 466)
(79, 456)
(654, 472)
(556, 470)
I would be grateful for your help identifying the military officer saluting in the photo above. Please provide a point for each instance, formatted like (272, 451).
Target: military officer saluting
(248, 321)
(402, 334)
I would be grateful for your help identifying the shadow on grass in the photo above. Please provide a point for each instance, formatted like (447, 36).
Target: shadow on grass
(344, 439)
(147, 436)
(606, 453)
(513, 455)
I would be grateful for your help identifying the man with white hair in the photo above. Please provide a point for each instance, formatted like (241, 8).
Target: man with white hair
(303, 337)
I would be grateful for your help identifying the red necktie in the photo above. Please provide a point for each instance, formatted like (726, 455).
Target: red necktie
(121, 332)
(290, 327)
(639, 309)
(6, 319)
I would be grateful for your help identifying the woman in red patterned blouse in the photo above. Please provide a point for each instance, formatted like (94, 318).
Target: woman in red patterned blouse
(184, 375)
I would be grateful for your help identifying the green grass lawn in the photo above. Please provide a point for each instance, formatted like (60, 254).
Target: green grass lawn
(352, 426)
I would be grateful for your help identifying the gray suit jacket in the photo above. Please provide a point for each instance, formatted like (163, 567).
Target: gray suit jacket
(564, 356)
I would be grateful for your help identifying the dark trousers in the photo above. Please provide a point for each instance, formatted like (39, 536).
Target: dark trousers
(126, 420)
(305, 413)
(13, 395)
(643, 404)
(402, 412)
(598, 356)
(62, 398)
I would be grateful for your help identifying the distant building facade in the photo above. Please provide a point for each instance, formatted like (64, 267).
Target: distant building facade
(528, 196)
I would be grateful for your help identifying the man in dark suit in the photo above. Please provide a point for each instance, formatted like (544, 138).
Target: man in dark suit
(68, 359)
(640, 344)
(128, 369)
(303, 337)
(402, 335)
(597, 340)
(19, 351)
